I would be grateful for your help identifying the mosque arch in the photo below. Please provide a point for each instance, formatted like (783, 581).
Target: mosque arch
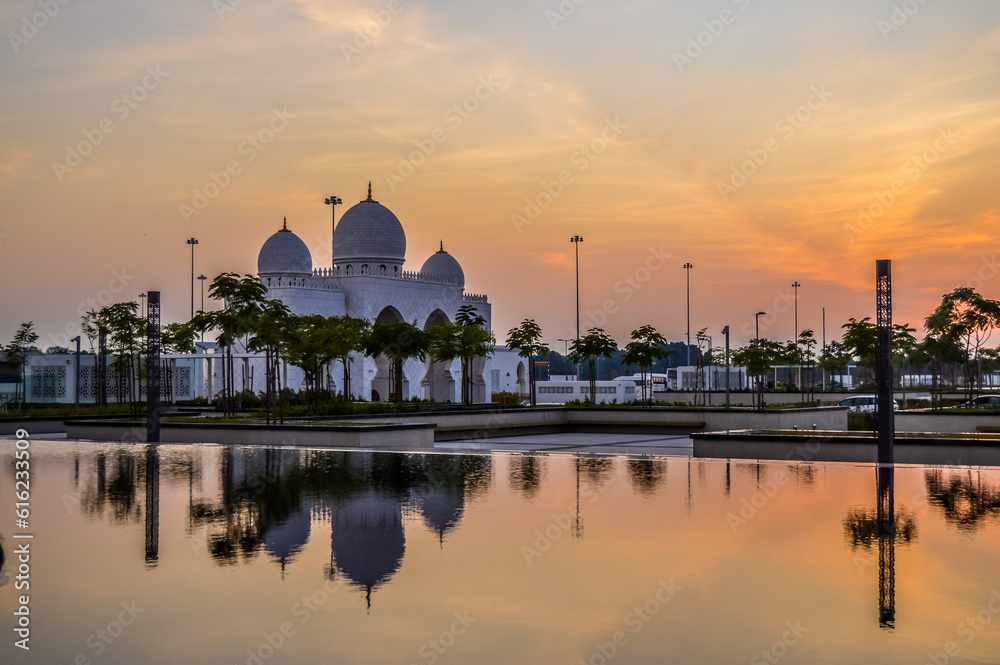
(521, 389)
(382, 380)
(438, 383)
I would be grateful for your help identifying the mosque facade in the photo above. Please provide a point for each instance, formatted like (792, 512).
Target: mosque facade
(368, 279)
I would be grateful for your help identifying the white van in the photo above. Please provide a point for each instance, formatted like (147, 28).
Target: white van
(863, 404)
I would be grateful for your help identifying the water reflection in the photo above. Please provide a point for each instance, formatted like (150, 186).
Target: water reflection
(269, 502)
(241, 535)
(525, 474)
(269, 499)
(963, 497)
(647, 475)
(152, 505)
(114, 489)
(865, 527)
(886, 517)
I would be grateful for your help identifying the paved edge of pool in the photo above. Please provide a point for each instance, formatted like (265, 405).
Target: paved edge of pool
(820, 446)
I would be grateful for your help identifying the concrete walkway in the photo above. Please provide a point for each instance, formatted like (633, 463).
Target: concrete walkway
(615, 444)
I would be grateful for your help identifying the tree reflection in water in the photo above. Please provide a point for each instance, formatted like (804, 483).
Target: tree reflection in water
(114, 489)
(271, 498)
(647, 474)
(525, 473)
(963, 498)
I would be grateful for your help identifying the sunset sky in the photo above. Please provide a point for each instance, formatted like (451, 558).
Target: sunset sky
(743, 136)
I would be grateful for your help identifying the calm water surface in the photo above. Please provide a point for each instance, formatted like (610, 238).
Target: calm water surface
(233, 555)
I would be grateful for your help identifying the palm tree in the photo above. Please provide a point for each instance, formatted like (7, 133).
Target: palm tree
(397, 342)
(465, 339)
(17, 354)
(348, 335)
(860, 339)
(96, 330)
(757, 357)
(526, 339)
(271, 337)
(806, 343)
(971, 318)
(243, 299)
(645, 348)
(126, 333)
(596, 343)
(307, 348)
(941, 344)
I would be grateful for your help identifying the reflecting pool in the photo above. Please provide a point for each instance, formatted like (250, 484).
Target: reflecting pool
(232, 555)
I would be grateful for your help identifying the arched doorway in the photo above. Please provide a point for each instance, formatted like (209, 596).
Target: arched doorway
(382, 381)
(522, 388)
(438, 383)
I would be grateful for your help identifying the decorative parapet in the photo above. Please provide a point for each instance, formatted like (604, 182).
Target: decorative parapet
(475, 297)
(368, 271)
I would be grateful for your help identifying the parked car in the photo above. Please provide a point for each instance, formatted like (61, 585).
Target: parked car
(984, 402)
(863, 404)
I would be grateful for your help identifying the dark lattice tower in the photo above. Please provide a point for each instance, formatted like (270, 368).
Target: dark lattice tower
(883, 360)
(153, 368)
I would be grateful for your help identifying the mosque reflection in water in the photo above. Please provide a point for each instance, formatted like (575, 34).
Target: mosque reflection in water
(268, 501)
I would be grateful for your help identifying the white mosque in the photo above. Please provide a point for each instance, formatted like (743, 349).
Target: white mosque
(367, 280)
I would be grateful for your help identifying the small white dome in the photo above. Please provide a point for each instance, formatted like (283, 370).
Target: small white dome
(284, 253)
(443, 264)
(369, 233)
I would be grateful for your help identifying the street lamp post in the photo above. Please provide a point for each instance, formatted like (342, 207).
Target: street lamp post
(565, 346)
(76, 382)
(192, 242)
(756, 318)
(796, 285)
(687, 268)
(708, 384)
(576, 240)
(824, 347)
(142, 305)
(333, 202)
(202, 278)
(725, 331)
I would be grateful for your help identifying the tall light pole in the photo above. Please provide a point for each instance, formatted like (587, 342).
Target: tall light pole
(76, 381)
(687, 268)
(796, 285)
(333, 202)
(725, 331)
(756, 318)
(708, 384)
(824, 328)
(824, 346)
(202, 278)
(576, 240)
(142, 305)
(565, 346)
(192, 242)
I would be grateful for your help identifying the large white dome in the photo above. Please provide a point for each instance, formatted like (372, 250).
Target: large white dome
(284, 253)
(443, 264)
(369, 233)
